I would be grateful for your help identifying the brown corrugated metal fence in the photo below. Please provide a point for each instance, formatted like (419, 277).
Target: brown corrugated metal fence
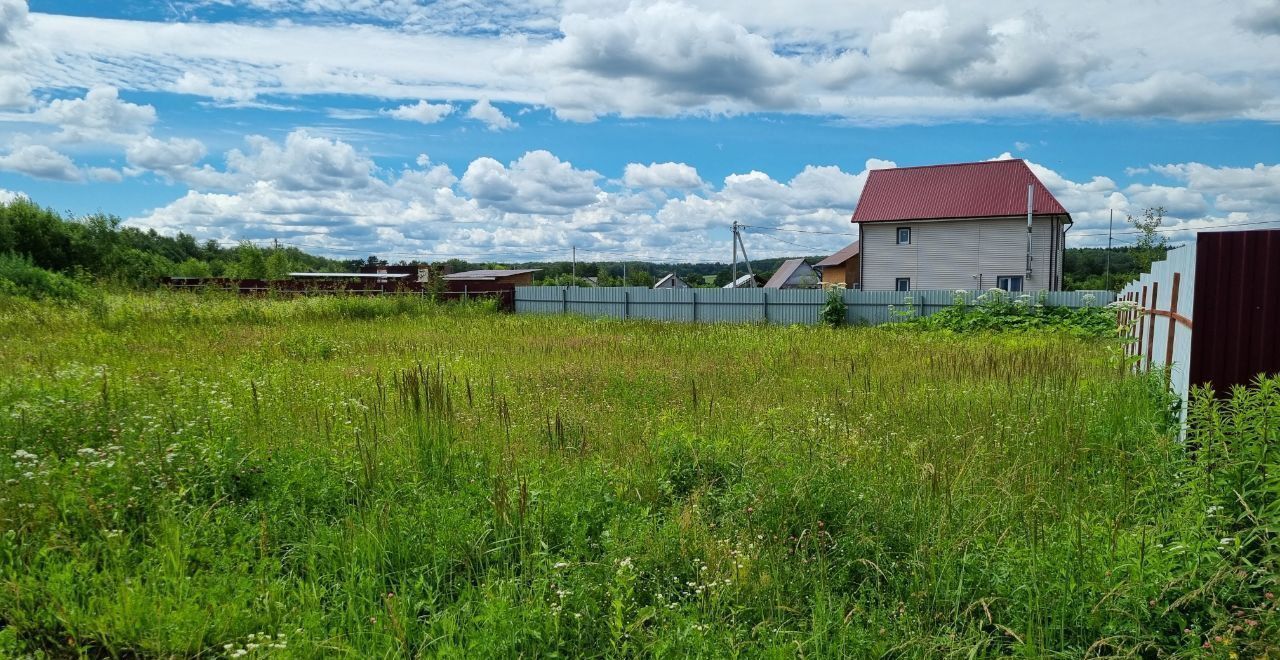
(1237, 308)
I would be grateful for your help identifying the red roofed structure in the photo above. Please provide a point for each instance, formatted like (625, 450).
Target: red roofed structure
(960, 226)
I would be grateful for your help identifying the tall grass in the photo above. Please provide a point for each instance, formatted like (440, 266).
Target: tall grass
(206, 476)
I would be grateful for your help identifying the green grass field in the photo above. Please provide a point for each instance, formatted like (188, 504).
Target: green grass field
(211, 477)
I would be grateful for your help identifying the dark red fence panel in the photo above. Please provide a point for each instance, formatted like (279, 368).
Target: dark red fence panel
(1237, 308)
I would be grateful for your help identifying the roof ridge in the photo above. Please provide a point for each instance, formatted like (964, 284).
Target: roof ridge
(972, 162)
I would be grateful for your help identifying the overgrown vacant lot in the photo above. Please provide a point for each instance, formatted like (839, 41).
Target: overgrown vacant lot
(190, 476)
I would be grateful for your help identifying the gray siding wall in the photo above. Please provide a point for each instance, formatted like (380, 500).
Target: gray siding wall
(960, 254)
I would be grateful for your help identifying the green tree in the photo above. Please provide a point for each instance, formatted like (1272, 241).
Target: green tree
(638, 277)
(278, 265)
(193, 268)
(1151, 245)
(250, 264)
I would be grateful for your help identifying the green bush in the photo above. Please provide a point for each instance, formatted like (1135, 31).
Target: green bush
(998, 310)
(20, 277)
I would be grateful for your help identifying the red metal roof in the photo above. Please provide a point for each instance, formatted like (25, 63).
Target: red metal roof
(991, 188)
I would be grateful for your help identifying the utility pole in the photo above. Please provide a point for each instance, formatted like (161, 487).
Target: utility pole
(738, 244)
(734, 282)
(624, 273)
(574, 281)
(1030, 190)
(1110, 223)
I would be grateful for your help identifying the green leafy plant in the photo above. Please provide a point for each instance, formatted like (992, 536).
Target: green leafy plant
(834, 312)
(998, 310)
(20, 277)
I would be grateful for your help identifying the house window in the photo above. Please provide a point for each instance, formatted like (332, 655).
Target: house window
(904, 235)
(902, 284)
(1009, 282)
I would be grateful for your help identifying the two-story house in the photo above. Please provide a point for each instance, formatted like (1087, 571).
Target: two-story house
(963, 226)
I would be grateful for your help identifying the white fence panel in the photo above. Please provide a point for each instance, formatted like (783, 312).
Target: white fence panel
(1155, 292)
(781, 306)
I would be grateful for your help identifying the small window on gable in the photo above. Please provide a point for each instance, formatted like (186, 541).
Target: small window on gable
(902, 284)
(1009, 283)
(904, 235)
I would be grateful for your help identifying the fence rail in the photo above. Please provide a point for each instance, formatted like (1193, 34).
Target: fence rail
(782, 306)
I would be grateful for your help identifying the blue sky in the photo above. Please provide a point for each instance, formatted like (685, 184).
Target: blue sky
(628, 129)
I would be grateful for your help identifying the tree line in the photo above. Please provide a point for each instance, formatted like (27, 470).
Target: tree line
(99, 247)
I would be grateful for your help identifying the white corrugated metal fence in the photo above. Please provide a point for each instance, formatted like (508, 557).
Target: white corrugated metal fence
(783, 306)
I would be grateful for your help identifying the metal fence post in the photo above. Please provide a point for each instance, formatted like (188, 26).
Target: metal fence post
(1173, 323)
(1142, 327)
(626, 304)
(1151, 332)
(694, 299)
(564, 300)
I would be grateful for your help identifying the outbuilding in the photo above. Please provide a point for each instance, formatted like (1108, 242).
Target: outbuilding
(518, 277)
(843, 267)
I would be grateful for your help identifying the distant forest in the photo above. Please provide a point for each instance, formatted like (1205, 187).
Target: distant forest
(98, 247)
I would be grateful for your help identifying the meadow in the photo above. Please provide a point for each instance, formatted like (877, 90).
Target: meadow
(200, 476)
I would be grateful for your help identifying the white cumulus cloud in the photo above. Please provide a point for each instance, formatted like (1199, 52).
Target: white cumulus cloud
(15, 92)
(41, 162)
(13, 17)
(101, 115)
(538, 182)
(661, 175)
(492, 117)
(165, 156)
(423, 112)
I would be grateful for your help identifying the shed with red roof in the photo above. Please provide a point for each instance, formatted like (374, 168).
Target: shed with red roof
(960, 226)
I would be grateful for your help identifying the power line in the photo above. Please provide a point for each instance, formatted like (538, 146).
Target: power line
(807, 247)
(1232, 225)
(798, 231)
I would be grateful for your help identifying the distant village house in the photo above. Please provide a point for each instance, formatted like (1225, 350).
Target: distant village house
(794, 274)
(670, 281)
(747, 281)
(964, 226)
